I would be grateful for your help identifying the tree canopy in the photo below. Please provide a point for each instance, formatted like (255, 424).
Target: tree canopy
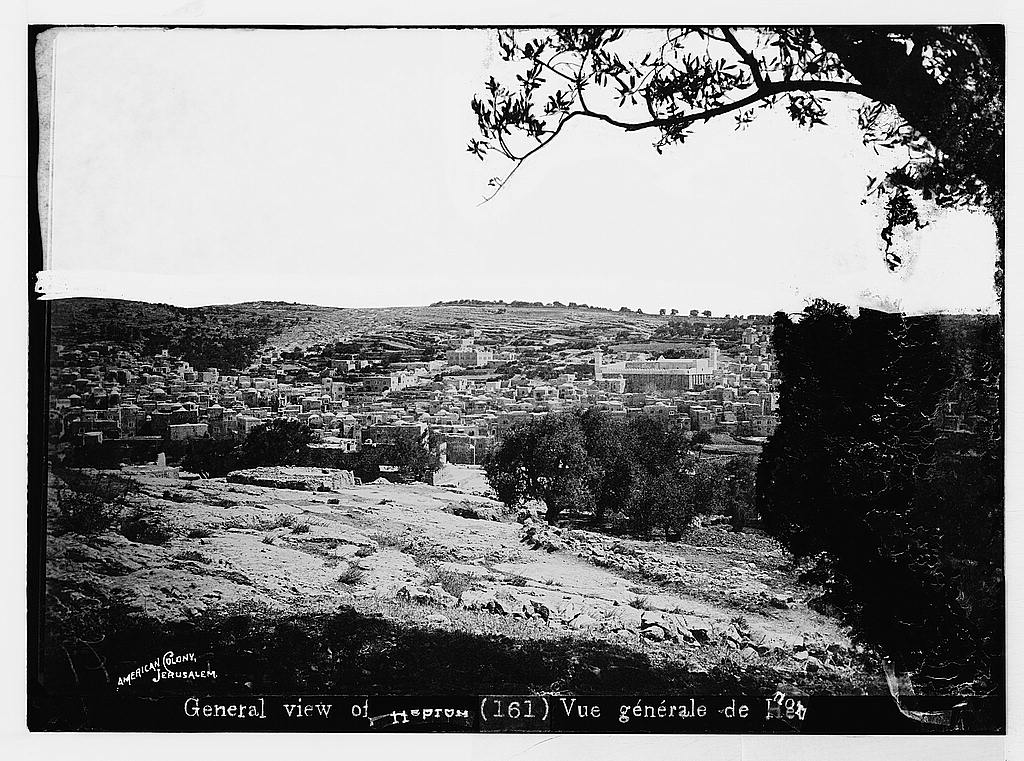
(934, 95)
(887, 468)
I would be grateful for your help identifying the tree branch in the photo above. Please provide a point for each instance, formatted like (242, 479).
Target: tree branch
(769, 90)
(748, 58)
(519, 161)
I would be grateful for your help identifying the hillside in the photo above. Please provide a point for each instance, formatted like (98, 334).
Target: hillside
(436, 590)
(229, 336)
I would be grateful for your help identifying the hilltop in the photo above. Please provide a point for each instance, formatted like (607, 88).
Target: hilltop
(231, 335)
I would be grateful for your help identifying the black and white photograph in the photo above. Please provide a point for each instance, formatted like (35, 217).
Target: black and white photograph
(517, 378)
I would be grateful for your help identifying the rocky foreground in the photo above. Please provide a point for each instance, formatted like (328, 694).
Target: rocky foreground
(447, 560)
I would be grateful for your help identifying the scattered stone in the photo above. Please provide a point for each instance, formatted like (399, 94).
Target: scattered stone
(438, 596)
(473, 511)
(656, 618)
(473, 599)
(749, 654)
(413, 594)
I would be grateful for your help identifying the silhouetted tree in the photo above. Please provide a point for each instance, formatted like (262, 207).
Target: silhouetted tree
(935, 93)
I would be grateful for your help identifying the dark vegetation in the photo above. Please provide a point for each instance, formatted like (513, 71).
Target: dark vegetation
(887, 472)
(225, 337)
(902, 512)
(284, 442)
(517, 304)
(91, 503)
(643, 473)
(257, 652)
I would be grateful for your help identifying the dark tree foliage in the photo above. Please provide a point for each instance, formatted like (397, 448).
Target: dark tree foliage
(544, 460)
(284, 442)
(888, 468)
(211, 458)
(279, 442)
(934, 93)
(414, 461)
(738, 487)
(223, 337)
(594, 464)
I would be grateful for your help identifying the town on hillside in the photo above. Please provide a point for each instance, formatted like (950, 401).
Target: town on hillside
(111, 403)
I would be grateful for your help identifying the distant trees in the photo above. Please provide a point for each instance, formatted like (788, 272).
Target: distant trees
(545, 460)
(699, 439)
(887, 468)
(694, 313)
(739, 489)
(592, 464)
(279, 442)
(283, 442)
(414, 461)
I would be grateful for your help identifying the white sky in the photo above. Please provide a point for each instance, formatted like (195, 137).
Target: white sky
(329, 167)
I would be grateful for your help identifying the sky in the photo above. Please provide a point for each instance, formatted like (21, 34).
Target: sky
(329, 167)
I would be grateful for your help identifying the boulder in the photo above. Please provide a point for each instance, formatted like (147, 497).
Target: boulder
(629, 617)
(473, 599)
(412, 593)
(518, 606)
(438, 596)
(702, 636)
(666, 621)
(552, 544)
(583, 621)
(749, 654)
(473, 511)
(655, 633)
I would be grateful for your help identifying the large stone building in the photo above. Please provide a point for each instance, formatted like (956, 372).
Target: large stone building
(648, 375)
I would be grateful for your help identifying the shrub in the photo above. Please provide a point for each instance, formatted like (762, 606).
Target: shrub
(640, 603)
(365, 552)
(300, 528)
(200, 533)
(452, 582)
(144, 528)
(90, 503)
(192, 555)
(351, 575)
(85, 514)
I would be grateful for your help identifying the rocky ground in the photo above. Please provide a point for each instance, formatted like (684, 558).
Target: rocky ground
(446, 559)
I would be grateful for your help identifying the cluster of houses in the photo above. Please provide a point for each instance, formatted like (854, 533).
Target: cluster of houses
(104, 396)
